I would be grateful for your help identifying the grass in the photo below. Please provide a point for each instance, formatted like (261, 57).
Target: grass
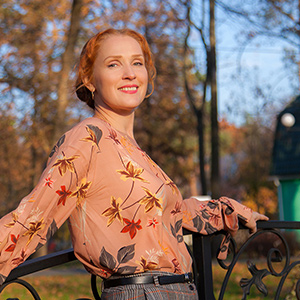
(62, 287)
(76, 286)
(67, 282)
(233, 290)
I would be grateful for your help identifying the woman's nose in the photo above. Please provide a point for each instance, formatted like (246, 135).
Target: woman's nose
(129, 73)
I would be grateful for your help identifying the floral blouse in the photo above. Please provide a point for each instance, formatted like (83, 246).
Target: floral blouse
(125, 214)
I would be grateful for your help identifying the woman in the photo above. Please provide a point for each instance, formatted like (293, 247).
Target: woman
(125, 215)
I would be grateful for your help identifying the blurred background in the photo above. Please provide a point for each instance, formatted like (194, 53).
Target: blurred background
(225, 70)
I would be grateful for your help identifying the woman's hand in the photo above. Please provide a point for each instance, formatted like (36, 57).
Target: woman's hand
(252, 222)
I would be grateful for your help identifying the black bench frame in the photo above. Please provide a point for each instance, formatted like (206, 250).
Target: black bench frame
(202, 264)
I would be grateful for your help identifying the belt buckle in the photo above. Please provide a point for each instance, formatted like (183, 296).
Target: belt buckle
(187, 278)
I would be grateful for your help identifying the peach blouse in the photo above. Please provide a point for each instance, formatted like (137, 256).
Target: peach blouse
(125, 214)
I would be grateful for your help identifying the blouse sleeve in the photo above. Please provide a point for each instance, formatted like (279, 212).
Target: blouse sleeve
(62, 188)
(207, 217)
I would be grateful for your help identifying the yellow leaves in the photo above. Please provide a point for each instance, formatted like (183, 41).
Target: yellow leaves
(132, 172)
(146, 266)
(186, 217)
(65, 164)
(164, 249)
(55, 32)
(173, 186)
(265, 201)
(91, 138)
(151, 200)
(95, 135)
(13, 222)
(81, 191)
(32, 198)
(114, 211)
(34, 228)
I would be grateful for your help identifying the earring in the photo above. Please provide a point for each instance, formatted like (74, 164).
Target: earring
(93, 96)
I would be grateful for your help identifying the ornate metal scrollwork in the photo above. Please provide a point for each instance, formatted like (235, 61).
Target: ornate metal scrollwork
(274, 255)
(28, 286)
(257, 276)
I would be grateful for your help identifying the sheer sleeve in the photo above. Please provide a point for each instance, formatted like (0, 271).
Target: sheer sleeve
(207, 217)
(62, 187)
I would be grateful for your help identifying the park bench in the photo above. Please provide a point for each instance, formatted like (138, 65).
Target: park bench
(202, 250)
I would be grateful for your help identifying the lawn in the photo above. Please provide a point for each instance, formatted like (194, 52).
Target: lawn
(233, 290)
(57, 287)
(76, 286)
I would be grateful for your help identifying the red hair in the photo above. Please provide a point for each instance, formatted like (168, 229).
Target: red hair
(89, 54)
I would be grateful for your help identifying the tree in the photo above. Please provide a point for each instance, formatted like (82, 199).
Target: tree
(197, 103)
(208, 38)
(212, 78)
(273, 19)
(246, 162)
(36, 63)
(26, 52)
(67, 65)
(14, 163)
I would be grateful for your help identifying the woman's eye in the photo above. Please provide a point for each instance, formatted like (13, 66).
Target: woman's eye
(138, 63)
(112, 65)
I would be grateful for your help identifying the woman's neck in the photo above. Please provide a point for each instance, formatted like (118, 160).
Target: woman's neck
(122, 123)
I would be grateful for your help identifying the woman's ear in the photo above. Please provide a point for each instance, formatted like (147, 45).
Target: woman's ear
(88, 84)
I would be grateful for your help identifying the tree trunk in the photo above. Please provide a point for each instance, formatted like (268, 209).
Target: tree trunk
(215, 177)
(67, 65)
(198, 110)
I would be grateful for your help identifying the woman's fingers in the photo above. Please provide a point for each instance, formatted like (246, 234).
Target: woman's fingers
(252, 222)
(261, 217)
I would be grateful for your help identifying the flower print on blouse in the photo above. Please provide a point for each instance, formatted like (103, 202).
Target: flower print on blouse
(125, 214)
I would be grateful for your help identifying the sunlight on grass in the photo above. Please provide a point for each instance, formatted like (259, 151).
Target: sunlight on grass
(71, 287)
(62, 287)
(234, 291)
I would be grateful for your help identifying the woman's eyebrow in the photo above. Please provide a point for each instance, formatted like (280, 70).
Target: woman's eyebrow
(113, 57)
(120, 56)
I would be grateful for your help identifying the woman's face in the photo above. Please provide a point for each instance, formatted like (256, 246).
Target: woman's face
(120, 75)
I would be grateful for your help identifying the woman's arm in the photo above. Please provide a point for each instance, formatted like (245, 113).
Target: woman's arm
(207, 217)
(61, 188)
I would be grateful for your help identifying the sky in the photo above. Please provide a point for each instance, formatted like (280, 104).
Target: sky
(239, 72)
(240, 69)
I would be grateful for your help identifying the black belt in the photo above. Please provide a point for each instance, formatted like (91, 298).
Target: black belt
(144, 279)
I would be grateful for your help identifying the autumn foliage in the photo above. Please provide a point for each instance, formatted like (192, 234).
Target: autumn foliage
(34, 36)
